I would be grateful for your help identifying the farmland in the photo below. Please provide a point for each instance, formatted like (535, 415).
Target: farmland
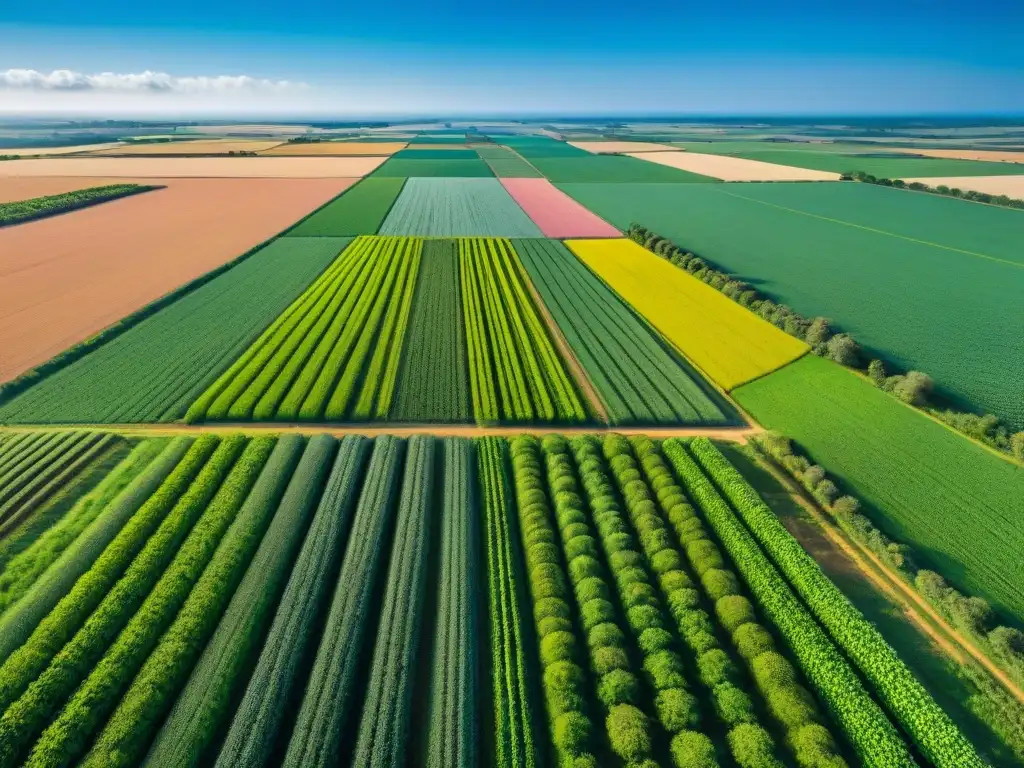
(457, 208)
(886, 265)
(637, 377)
(456, 460)
(20, 211)
(173, 632)
(731, 345)
(92, 275)
(920, 480)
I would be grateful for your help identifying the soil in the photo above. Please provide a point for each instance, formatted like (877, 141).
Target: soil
(732, 168)
(64, 278)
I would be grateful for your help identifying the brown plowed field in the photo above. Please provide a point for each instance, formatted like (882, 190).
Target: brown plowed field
(64, 278)
(321, 148)
(195, 167)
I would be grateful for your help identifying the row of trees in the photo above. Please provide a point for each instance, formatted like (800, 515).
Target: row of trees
(913, 387)
(964, 194)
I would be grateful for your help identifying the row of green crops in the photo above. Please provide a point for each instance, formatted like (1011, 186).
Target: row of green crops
(932, 731)
(433, 385)
(457, 208)
(637, 377)
(314, 602)
(335, 352)
(20, 211)
(32, 470)
(514, 370)
(140, 375)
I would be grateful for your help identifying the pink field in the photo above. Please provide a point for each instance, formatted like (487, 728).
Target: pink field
(554, 212)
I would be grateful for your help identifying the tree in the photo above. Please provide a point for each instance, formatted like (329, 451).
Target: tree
(876, 372)
(818, 331)
(914, 388)
(1017, 445)
(843, 349)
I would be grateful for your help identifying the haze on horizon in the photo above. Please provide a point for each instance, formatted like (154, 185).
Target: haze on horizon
(596, 58)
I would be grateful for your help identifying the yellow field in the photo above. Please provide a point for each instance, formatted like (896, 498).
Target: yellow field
(729, 343)
(337, 148)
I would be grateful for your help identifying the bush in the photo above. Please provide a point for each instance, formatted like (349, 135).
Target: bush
(608, 659)
(545, 553)
(813, 745)
(562, 681)
(628, 732)
(551, 607)
(638, 593)
(752, 747)
(591, 588)
(704, 555)
(583, 567)
(606, 634)
(675, 580)
(718, 583)
(681, 601)
(618, 542)
(618, 687)
(573, 530)
(733, 611)
(677, 709)
(654, 639)
(627, 558)
(581, 546)
(664, 670)
(572, 732)
(558, 646)
(553, 624)
(643, 617)
(791, 705)
(693, 750)
(596, 612)
(667, 560)
(772, 670)
(715, 667)
(732, 705)
(751, 640)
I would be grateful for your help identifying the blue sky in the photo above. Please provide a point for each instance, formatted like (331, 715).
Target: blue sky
(596, 56)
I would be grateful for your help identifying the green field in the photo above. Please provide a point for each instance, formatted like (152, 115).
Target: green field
(956, 504)
(396, 168)
(359, 211)
(513, 168)
(154, 370)
(610, 168)
(883, 162)
(925, 281)
(435, 154)
(457, 208)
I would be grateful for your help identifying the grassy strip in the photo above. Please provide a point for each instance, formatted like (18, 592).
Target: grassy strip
(385, 723)
(877, 743)
(933, 732)
(102, 551)
(259, 723)
(331, 703)
(204, 706)
(67, 737)
(20, 211)
(454, 698)
(71, 659)
(127, 735)
(513, 707)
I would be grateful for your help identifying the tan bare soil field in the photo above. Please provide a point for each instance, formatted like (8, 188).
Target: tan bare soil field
(337, 148)
(622, 147)
(200, 147)
(1011, 186)
(24, 151)
(196, 167)
(14, 188)
(64, 278)
(991, 155)
(732, 168)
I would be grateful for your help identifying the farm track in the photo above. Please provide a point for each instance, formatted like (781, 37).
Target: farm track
(951, 641)
(734, 434)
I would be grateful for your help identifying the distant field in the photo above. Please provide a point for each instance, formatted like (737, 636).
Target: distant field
(921, 279)
(1011, 186)
(637, 377)
(196, 167)
(359, 211)
(416, 153)
(104, 262)
(14, 188)
(955, 503)
(425, 168)
(457, 208)
(729, 343)
(995, 156)
(609, 168)
(198, 147)
(614, 147)
(140, 375)
(890, 166)
(20, 151)
(336, 148)
(733, 168)
(554, 212)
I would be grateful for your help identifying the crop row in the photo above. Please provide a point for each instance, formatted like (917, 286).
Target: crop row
(20, 211)
(515, 372)
(335, 351)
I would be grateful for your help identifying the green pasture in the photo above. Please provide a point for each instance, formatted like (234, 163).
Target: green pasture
(923, 281)
(359, 211)
(397, 167)
(435, 154)
(923, 484)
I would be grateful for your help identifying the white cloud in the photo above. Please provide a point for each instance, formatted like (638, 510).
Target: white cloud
(66, 80)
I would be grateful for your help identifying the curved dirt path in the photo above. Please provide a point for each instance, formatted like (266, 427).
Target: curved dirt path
(952, 642)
